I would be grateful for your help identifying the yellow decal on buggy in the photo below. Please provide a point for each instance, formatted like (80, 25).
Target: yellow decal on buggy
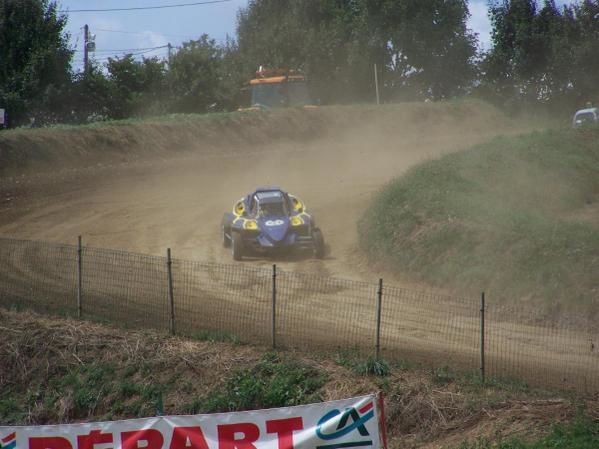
(250, 224)
(239, 208)
(297, 204)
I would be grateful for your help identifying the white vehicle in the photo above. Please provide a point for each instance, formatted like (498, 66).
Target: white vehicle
(587, 116)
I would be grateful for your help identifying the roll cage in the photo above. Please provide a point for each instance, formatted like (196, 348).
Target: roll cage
(273, 202)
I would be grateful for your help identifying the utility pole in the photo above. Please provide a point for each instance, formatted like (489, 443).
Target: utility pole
(376, 84)
(85, 54)
(170, 48)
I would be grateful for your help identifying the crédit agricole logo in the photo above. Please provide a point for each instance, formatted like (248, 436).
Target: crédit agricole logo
(335, 425)
(9, 441)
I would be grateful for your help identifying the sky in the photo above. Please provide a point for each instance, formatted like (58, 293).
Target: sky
(141, 31)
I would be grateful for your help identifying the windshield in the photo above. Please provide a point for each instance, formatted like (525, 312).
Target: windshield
(270, 95)
(298, 94)
(274, 209)
(586, 117)
(281, 94)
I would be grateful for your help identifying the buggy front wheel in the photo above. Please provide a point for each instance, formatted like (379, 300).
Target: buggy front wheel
(318, 240)
(236, 246)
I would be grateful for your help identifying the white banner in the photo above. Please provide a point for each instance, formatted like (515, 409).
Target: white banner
(348, 423)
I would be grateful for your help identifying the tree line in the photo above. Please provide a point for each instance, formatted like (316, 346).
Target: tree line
(541, 55)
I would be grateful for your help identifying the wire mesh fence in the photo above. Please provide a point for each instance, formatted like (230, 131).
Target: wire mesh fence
(421, 327)
(38, 275)
(308, 311)
(211, 298)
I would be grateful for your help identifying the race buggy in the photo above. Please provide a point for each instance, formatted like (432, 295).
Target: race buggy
(270, 221)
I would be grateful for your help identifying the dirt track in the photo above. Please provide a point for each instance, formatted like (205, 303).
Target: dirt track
(178, 201)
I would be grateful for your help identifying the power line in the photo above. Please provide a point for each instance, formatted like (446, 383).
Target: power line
(144, 33)
(139, 53)
(145, 7)
(126, 49)
(131, 51)
(107, 58)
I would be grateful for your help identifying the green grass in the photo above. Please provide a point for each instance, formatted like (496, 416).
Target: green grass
(85, 391)
(166, 118)
(582, 433)
(216, 336)
(275, 381)
(499, 217)
(363, 366)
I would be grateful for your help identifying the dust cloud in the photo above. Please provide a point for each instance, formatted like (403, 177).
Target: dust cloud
(177, 199)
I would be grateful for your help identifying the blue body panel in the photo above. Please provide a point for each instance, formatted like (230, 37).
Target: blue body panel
(272, 232)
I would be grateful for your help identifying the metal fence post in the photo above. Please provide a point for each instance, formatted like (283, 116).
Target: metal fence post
(79, 276)
(379, 305)
(482, 337)
(171, 300)
(274, 306)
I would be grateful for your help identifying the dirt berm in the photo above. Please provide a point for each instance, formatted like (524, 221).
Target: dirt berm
(28, 150)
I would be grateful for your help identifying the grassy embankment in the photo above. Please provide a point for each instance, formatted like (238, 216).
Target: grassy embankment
(25, 151)
(517, 217)
(64, 371)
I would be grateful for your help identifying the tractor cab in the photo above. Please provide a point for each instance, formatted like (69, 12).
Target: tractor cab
(279, 88)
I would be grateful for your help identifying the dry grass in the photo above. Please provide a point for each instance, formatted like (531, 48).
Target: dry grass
(423, 410)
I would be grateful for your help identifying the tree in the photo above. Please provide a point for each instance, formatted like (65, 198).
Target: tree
(34, 56)
(543, 56)
(91, 97)
(195, 77)
(421, 46)
(231, 77)
(325, 39)
(586, 53)
(139, 86)
(430, 51)
(512, 66)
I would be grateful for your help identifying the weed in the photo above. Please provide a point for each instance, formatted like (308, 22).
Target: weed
(9, 410)
(372, 367)
(89, 383)
(196, 406)
(473, 379)
(582, 433)
(128, 389)
(16, 307)
(216, 336)
(443, 376)
(272, 382)
(130, 370)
